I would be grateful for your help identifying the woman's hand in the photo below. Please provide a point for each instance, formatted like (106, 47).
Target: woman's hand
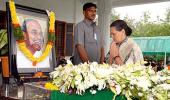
(114, 51)
(114, 54)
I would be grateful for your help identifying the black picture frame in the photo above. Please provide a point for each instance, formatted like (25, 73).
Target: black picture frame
(12, 56)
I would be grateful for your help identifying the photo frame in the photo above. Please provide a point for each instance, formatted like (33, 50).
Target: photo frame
(34, 24)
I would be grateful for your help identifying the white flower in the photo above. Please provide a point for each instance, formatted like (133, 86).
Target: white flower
(144, 83)
(128, 74)
(54, 74)
(151, 71)
(123, 86)
(65, 76)
(80, 88)
(168, 95)
(130, 94)
(133, 81)
(62, 89)
(111, 83)
(150, 97)
(78, 77)
(93, 91)
(131, 76)
(165, 86)
(131, 87)
(162, 78)
(103, 71)
(140, 94)
(101, 84)
(155, 78)
(118, 89)
(69, 62)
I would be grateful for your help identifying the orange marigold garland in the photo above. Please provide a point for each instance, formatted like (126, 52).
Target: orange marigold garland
(20, 37)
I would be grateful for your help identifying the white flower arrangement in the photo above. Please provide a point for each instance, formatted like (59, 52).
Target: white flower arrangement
(132, 80)
(141, 82)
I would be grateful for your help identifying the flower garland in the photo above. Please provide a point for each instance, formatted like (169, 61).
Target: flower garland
(20, 37)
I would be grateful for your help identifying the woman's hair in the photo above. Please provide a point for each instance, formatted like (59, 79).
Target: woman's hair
(120, 24)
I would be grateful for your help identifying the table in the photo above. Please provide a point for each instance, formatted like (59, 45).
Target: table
(100, 95)
(36, 90)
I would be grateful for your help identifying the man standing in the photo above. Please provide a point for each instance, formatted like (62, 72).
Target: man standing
(87, 38)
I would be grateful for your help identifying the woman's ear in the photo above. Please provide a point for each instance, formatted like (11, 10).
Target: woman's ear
(123, 31)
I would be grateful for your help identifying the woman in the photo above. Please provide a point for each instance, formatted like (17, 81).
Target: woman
(123, 49)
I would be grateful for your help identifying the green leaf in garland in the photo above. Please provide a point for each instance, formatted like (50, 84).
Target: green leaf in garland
(51, 37)
(18, 33)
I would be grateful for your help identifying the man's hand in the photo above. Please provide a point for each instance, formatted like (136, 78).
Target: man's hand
(82, 53)
(102, 55)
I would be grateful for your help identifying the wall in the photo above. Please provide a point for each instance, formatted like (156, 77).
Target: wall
(78, 11)
(65, 10)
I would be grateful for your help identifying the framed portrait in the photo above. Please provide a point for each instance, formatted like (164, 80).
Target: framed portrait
(34, 24)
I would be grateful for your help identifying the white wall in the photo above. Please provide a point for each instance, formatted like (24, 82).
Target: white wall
(78, 11)
(65, 10)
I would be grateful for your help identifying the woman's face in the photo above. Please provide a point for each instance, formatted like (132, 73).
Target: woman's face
(117, 36)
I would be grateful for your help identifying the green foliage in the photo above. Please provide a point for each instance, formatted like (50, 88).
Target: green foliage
(18, 33)
(114, 16)
(167, 19)
(155, 57)
(3, 42)
(145, 28)
(51, 37)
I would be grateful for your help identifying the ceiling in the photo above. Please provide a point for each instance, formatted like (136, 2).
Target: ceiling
(119, 3)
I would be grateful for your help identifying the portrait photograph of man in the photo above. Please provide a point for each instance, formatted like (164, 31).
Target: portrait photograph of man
(33, 35)
(35, 31)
